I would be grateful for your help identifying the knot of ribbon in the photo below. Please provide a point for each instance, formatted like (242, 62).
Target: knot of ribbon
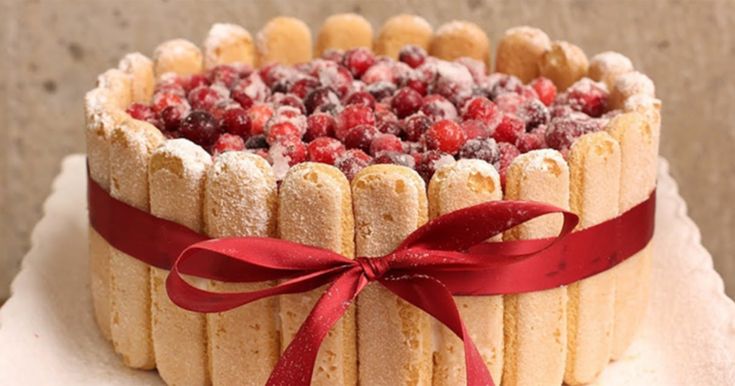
(447, 256)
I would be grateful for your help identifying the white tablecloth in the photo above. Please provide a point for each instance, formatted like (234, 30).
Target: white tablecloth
(48, 335)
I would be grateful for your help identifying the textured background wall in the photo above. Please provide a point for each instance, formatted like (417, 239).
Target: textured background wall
(51, 52)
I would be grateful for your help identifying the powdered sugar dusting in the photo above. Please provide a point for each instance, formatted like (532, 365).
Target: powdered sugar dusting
(194, 158)
(538, 159)
(221, 33)
(635, 83)
(611, 61)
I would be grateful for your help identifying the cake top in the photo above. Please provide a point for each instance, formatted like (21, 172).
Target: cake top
(352, 109)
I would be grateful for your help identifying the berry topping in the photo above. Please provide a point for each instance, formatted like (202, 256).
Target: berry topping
(325, 150)
(358, 60)
(204, 97)
(395, 158)
(362, 98)
(319, 125)
(533, 112)
(288, 149)
(406, 102)
(228, 142)
(588, 97)
(561, 132)
(415, 126)
(141, 112)
(385, 142)
(508, 153)
(259, 114)
(509, 128)
(428, 162)
(321, 99)
(352, 161)
(485, 149)
(360, 137)
(256, 142)
(172, 116)
(480, 108)
(412, 55)
(446, 136)
(236, 121)
(282, 130)
(533, 140)
(200, 127)
(438, 107)
(475, 128)
(352, 116)
(545, 89)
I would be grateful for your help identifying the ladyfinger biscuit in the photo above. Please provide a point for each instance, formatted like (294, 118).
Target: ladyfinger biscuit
(142, 80)
(118, 85)
(101, 117)
(594, 167)
(401, 30)
(179, 56)
(639, 151)
(564, 63)
(629, 84)
(176, 178)
(228, 44)
(458, 39)
(241, 199)
(284, 40)
(520, 50)
(315, 208)
(131, 147)
(343, 32)
(394, 337)
(607, 66)
(535, 323)
(465, 183)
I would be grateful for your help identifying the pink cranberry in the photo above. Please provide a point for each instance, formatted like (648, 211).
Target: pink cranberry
(304, 86)
(236, 121)
(292, 149)
(281, 130)
(502, 84)
(412, 55)
(533, 140)
(390, 127)
(362, 98)
(352, 161)
(352, 116)
(141, 112)
(224, 74)
(228, 142)
(588, 97)
(360, 137)
(171, 82)
(395, 158)
(509, 102)
(320, 99)
(243, 99)
(325, 150)
(332, 55)
(385, 142)
(259, 114)
(561, 132)
(454, 82)
(415, 126)
(438, 107)
(508, 153)
(289, 100)
(200, 127)
(480, 108)
(163, 100)
(545, 89)
(446, 136)
(475, 67)
(171, 116)
(253, 87)
(475, 128)
(420, 87)
(319, 125)
(379, 72)
(533, 112)
(406, 102)
(428, 162)
(509, 128)
(358, 60)
(204, 97)
(195, 81)
(485, 149)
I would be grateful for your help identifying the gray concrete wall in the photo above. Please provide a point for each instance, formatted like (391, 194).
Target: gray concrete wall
(53, 50)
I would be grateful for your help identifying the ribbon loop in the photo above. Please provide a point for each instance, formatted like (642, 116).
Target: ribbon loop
(373, 268)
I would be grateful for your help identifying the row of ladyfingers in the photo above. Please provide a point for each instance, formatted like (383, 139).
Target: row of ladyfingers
(529, 339)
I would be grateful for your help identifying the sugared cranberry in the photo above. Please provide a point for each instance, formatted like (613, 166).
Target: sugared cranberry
(509, 102)
(304, 86)
(236, 121)
(438, 107)
(358, 60)
(288, 149)
(503, 83)
(243, 99)
(395, 158)
(561, 132)
(379, 72)
(588, 97)
(545, 89)
(253, 87)
(352, 116)
(204, 97)
(390, 127)
(195, 81)
(200, 127)
(171, 83)
(428, 162)
(319, 125)
(352, 161)
(475, 67)
(163, 100)
(406, 102)
(480, 108)
(385, 142)
(282, 130)
(534, 113)
(508, 153)
(420, 87)
(172, 116)
(454, 82)
(360, 137)
(415, 126)
(259, 114)
(362, 98)
(256, 142)
(509, 128)
(381, 90)
(446, 136)
(141, 112)
(224, 74)
(290, 100)
(325, 150)
(485, 149)
(228, 142)
(475, 128)
(533, 140)
(412, 55)
(332, 55)
(318, 99)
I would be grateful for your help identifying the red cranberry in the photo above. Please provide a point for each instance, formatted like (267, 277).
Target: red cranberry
(445, 135)
(588, 97)
(480, 108)
(200, 127)
(475, 67)
(352, 116)
(325, 150)
(243, 99)
(236, 121)
(259, 115)
(337, 78)
(289, 149)
(508, 153)
(379, 72)
(502, 84)
(362, 98)
(289, 100)
(415, 126)
(534, 113)
(406, 102)
(561, 132)
(352, 161)
(253, 87)
(358, 60)
(454, 82)
(395, 158)
(304, 86)
(204, 97)
(381, 90)
(390, 127)
(273, 73)
(171, 83)
(360, 137)
(224, 74)
(318, 99)
(438, 107)
(228, 142)
(509, 128)
(385, 142)
(256, 142)
(195, 81)
(171, 116)
(281, 130)
(412, 55)
(485, 149)
(319, 125)
(163, 100)
(509, 102)
(475, 128)
(420, 87)
(532, 140)
(545, 89)
(141, 112)
(332, 55)
(428, 162)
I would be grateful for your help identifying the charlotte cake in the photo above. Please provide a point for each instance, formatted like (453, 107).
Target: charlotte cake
(338, 152)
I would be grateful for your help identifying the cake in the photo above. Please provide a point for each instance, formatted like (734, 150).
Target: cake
(350, 144)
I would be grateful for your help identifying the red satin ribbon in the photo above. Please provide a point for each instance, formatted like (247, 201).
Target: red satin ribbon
(448, 256)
